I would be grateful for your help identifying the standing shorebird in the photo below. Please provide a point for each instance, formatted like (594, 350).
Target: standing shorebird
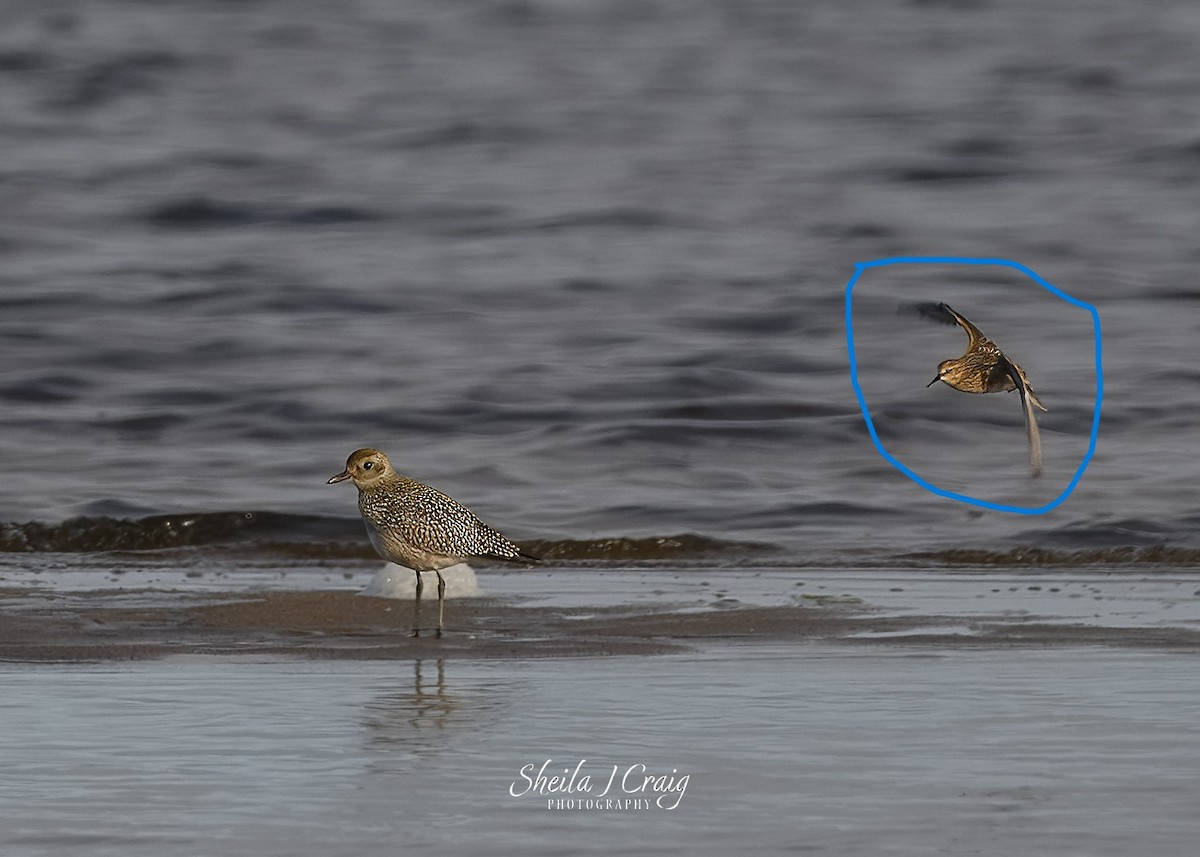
(417, 526)
(985, 369)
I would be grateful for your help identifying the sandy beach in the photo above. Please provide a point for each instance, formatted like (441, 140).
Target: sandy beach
(851, 711)
(613, 611)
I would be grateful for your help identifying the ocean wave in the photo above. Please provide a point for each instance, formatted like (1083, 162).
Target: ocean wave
(298, 537)
(683, 546)
(93, 534)
(312, 536)
(1041, 557)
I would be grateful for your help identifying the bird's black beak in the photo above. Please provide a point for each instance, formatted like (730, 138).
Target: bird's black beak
(341, 477)
(927, 386)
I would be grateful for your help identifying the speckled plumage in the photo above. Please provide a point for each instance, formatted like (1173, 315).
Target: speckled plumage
(417, 526)
(984, 368)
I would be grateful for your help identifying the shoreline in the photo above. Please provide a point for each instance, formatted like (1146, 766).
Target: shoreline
(113, 624)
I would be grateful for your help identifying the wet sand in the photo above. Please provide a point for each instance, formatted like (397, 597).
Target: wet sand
(847, 750)
(644, 613)
(170, 710)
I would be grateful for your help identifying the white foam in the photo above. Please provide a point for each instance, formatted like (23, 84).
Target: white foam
(396, 581)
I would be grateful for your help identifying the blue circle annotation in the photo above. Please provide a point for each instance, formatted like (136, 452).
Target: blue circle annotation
(861, 267)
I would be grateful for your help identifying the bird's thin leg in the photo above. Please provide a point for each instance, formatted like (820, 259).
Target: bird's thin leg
(441, 600)
(417, 607)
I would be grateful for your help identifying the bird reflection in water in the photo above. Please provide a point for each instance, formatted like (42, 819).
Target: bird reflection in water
(404, 716)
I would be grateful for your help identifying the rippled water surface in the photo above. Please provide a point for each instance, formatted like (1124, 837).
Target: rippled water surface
(1068, 752)
(583, 266)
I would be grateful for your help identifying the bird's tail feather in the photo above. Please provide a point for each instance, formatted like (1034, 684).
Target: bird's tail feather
(1031, 431)
(1028, 400)
(519, 558)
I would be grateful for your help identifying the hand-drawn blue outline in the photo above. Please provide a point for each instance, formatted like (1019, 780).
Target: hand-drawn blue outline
(860, 267)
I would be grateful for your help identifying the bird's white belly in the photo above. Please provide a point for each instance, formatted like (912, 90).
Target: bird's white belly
(402, 553)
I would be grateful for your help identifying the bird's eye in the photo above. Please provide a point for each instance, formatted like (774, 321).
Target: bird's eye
(368, 465)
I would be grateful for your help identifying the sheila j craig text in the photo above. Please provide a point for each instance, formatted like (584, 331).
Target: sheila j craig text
(619, 787)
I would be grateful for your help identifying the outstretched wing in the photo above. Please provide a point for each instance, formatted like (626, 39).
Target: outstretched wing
(947, 315)
(933, 312)
(974, 334)
(1021, 383)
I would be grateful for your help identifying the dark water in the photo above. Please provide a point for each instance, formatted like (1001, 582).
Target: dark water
(582, 265)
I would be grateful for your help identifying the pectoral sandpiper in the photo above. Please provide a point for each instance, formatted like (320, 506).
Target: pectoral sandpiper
(984, 368)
